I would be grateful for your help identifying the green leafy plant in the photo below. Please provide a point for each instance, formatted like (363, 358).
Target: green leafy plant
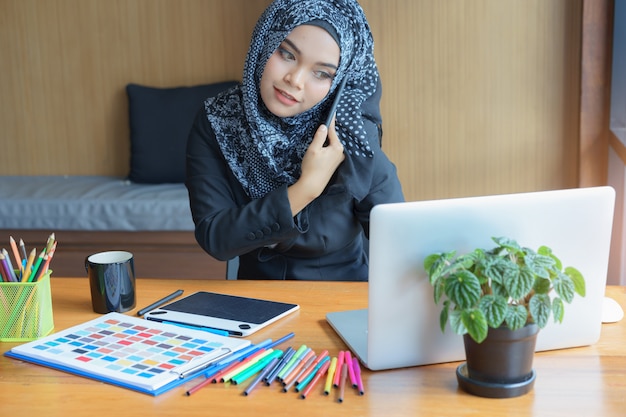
(507, 285)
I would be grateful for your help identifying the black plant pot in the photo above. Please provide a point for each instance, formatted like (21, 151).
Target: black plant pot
(502, 365)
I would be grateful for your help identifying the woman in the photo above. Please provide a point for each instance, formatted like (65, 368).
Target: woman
(267, 180)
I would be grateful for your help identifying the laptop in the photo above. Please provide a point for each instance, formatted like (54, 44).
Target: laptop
(400, 327)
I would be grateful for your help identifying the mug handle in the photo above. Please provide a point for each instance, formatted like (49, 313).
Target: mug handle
(86, 264)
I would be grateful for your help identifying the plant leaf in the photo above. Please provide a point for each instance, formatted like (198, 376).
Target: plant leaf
(509, 244)
(540, 309)
(494, 309)
(463, 289)
(544, 250)
(475, 323)
(564, 287)
(456, 324)
(429, 262)
(542, 286)
(507, 284)
(438, 288)
(443, 316)
(540, 265)
(558, 310)
(516, 316)
(499, 290)
(436, 264)
(493, 268)
(468, 260)
(519, 282)
(577, 279)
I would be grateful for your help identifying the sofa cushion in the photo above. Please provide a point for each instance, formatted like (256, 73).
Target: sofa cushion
(92, 203)
(160, 121)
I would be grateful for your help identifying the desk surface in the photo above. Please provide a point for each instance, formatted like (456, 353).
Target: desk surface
(581, 381)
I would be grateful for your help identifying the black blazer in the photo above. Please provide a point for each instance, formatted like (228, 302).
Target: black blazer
(323, 242)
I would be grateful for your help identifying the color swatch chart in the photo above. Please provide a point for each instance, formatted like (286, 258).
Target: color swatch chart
(129, 351)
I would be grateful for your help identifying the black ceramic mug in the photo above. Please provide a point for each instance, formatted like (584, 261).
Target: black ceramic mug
(112, 281)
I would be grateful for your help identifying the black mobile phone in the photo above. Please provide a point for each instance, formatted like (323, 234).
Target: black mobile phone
(333, 107)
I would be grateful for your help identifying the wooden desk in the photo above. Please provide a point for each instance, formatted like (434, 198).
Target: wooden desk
(581, 381)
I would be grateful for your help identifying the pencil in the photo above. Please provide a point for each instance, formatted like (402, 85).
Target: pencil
(281, 340)
(211, 371)
(4, 270)
(340, 359)
(317, 377)
(199, 386)
(33, 272)
(9, 266)
(266, 370)
(301, 386)
(47, 260)
(254, 366)
(283, 361)
(289, 366)
(29, 265)
(16, 253)
(218, 376)
(311, 369)
(342, 381)
(331, 375)
(292, 381)
(245, 363)
(257, 367)
(357, 375)
(348, 360)
(49, 242)
(299, 366)
(232, 362)
(23, 250)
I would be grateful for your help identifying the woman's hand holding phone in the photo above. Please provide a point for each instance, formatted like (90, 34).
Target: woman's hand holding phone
(321, 160)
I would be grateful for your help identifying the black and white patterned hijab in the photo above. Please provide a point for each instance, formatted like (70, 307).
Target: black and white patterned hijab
(264, 151)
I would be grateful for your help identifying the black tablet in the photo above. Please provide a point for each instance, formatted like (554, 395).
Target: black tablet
(239, 316)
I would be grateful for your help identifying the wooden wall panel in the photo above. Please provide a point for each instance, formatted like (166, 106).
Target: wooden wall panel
(480, 96)
(65, 63)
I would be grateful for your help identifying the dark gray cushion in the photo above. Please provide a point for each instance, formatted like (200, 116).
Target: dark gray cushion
(160, 121)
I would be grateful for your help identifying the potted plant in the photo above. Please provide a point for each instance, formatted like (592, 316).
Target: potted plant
(498, 299)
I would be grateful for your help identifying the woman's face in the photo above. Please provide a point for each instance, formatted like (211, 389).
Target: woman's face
(298, 75)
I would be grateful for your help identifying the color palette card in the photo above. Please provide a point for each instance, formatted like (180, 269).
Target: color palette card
(147, 356)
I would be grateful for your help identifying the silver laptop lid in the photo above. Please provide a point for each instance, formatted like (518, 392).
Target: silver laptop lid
(403, 321)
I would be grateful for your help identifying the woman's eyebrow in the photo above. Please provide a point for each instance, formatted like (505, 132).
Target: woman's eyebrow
(293, 45)
(297, 51)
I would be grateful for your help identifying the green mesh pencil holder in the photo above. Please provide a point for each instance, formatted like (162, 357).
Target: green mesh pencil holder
(26, 310)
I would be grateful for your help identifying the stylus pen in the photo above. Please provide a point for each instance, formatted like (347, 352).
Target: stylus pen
(200, 328)
(159, 303)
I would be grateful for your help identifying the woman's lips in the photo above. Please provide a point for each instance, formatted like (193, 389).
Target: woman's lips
(284, 97)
